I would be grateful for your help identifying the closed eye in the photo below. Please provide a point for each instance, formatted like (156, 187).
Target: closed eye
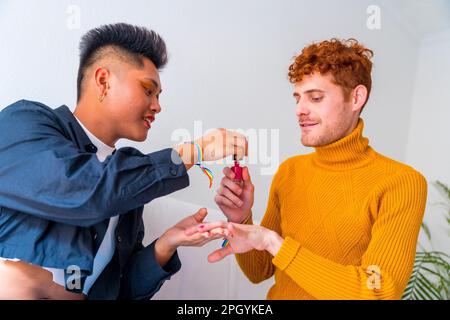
(148, 92)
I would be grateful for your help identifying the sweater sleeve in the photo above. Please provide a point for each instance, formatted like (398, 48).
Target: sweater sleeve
(387, 263)
(257, 265)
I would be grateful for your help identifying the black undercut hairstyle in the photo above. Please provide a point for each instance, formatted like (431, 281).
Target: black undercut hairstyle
(126, 42)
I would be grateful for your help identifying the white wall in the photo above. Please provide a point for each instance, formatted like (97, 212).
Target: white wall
(428, 142)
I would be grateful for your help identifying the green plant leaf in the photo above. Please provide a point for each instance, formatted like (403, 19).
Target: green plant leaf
(428, 264)
(429, 288)
(426, 230)
(430, 276)
(443, 188)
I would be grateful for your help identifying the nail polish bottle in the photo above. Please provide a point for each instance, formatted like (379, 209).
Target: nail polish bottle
(237, 169)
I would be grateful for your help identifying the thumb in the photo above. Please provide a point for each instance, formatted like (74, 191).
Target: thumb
(200, 215)
(219, 254)
(246, 175)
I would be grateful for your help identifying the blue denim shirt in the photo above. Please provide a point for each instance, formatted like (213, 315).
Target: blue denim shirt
(56, 199)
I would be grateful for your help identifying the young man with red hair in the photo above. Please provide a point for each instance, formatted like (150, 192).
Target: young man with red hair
(341, 222)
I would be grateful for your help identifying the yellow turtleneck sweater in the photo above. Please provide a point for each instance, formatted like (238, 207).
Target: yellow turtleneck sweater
(350, 219)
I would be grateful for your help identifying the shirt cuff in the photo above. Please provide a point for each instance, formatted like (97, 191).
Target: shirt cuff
(170, 169)
(163, 272)
(149, 276)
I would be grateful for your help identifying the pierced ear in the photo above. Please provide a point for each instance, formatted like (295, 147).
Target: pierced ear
(102, 78)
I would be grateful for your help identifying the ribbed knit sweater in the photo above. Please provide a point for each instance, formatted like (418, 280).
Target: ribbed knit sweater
(350, 219)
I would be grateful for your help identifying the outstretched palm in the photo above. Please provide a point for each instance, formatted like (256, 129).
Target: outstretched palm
(178, 237)
(243, 238)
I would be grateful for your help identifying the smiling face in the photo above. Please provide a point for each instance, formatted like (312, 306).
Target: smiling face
(132, 101)
(118, 83)
(332, 83)
(120, 100)
(323, 113)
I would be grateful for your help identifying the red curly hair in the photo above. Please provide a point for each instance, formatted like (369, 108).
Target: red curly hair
(347, 61)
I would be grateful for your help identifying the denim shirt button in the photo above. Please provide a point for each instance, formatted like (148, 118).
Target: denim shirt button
(119, 239)
(91, 148)
(173, 171)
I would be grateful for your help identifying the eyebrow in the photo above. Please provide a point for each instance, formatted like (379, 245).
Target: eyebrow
(295, 94)
(154, 83)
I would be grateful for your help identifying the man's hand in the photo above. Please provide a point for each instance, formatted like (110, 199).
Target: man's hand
(235, 200)
(221, 143)
(242, 238)
(175, 236)
(218, 144)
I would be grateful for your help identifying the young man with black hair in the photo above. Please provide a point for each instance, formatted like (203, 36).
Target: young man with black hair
(69, 201)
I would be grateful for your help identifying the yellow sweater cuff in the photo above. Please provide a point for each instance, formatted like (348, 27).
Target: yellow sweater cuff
(286, 254)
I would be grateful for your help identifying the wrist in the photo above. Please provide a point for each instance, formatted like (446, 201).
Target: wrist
(198, 151)
(247, 217)
(273, 242)
(242, 219)
(188, 153)
(163, 246)
(163, 250)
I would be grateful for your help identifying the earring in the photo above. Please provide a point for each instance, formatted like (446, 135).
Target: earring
(101, 97)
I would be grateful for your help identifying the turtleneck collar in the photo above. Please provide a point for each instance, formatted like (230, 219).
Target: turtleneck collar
(352, 151)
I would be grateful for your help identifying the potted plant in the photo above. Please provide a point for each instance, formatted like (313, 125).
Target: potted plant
(430, 279)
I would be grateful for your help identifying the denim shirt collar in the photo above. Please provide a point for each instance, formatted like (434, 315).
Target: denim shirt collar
(76, 132)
